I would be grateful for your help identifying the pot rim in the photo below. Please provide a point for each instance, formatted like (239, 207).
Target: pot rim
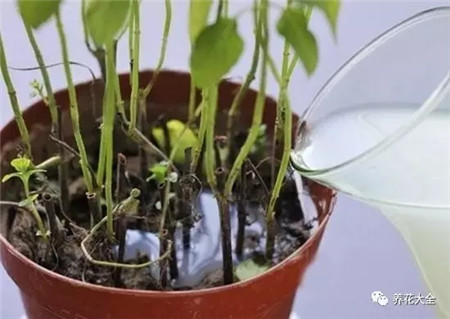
(80, 284)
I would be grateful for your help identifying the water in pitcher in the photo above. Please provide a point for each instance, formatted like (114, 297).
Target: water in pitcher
(408, 180)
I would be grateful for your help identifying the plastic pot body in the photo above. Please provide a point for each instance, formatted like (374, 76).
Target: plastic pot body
(47, 295)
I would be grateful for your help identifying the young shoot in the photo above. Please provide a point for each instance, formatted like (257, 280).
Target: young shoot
(24, 170)
(38, 90)
(159, 172)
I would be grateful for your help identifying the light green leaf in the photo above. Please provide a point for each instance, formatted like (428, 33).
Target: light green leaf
(180, 136)
(198, 17)
(105, 19)
(9, 176)
(294, 27)
(35, 13)
(159, 172)
(22, 164)
(330, 8)
(249, 269)
(216, 50)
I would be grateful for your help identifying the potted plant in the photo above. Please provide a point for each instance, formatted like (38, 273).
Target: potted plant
(108, 186)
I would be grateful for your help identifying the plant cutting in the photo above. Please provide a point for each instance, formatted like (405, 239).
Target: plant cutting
(138, 197)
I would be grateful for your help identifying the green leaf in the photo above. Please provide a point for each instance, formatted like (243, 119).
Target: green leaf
(216, 50)
(9, 176)
(249, 269)
(159, 172)
(293, 27)
(105, 19)
(35, 13)
(198, 17)
(330, 8)
(22, 164)
(176, 128)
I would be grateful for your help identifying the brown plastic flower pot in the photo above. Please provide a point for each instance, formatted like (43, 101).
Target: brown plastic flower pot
(47, 295)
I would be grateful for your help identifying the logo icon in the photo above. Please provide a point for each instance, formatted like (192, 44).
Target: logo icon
(380, 298)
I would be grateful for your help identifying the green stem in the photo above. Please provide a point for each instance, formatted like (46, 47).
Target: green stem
(131, 42)
(119, 101)
(34, 211)
(54, 114)
(284, 128)
(259, 108)
(48, 87)
(84, 21)
(292, 65)
(250, 76)
(102, 152)
(14, 102)
(270, 214)
(192, 98)
(74, 107)
(273, 69)
(107, 133)
(162, 53)
(211, 109)
(120, 108)
(284, 82)
(217, 188)
(225, 8)
(219, 10)
(165, 207)
(201, 132)
(135, 69)
(39, 222)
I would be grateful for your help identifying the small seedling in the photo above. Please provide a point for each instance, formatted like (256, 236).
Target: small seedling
(24, 170)
(159, 172)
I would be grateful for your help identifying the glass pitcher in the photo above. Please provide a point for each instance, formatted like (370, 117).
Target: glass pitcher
(379, 130)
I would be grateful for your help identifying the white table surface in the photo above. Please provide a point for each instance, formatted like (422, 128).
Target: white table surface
(361, 252)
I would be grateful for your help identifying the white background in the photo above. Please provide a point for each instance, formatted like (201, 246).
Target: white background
(361, 251)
